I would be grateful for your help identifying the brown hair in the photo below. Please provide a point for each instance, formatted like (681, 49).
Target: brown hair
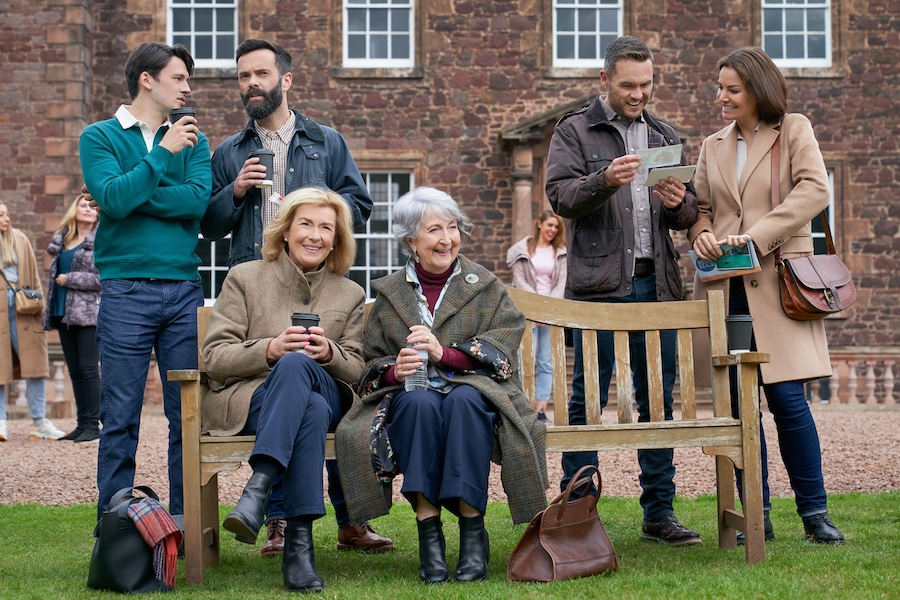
(764, 82)
(558, 242)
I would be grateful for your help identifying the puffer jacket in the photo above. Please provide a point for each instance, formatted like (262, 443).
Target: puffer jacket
(599, 225)
(82, 284)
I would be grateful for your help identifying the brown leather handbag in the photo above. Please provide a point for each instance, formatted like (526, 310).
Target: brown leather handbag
(567, 539)
(812, 287)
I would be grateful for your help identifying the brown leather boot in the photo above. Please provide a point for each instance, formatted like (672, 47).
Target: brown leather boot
(275, 539)
(363, 537)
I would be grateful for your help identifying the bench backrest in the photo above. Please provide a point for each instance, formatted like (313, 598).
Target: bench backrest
(688, 318)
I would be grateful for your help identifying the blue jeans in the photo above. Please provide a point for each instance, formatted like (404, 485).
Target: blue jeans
(657, 468)
(35, 387)
(543, 362)
(798, 438)
(291, 413)
(138, 317)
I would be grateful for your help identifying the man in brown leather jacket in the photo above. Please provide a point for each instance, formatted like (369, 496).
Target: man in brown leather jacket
(620, 249)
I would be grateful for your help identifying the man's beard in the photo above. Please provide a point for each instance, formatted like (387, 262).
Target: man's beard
(271, 100)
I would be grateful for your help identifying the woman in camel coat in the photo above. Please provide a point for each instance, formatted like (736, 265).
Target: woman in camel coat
(734, 183)
(29, 360)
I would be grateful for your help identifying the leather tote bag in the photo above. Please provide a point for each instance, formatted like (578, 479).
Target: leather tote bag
(122, 561)
(567, 539)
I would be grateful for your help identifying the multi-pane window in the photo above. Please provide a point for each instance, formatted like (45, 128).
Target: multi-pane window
(797, 33)
(378, 33)
(208, 28)
(582, 29)
(377, 251)
(818, 232)
(213, 266)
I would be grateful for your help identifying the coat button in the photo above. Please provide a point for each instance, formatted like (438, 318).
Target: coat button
(739, 213)
(754, 283)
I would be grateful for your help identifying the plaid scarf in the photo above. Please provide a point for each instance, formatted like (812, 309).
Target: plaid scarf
(156, 526)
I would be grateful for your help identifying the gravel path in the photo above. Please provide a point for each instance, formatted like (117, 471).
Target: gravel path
(861, 453)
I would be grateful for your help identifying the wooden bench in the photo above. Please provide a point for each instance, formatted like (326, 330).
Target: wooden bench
(731, 440)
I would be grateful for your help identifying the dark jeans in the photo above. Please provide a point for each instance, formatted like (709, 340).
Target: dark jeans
(657, 468)
(138, 317)
(798, 438)
(79, 346)
(291, 413)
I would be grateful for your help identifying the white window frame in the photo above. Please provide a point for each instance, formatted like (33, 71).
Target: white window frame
(770, 37)
(215, 62)
(382, 199)
(597, 5)
(816, 223)
(213, 268)
(374, 63)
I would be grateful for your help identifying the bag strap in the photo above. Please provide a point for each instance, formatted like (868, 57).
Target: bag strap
(576, 482)
(776, 200)
(126, 492)
(8, 284)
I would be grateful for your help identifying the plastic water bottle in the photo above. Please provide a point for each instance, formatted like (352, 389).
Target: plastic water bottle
(419, 379)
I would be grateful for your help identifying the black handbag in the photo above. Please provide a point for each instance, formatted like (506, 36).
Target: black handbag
(122, 561)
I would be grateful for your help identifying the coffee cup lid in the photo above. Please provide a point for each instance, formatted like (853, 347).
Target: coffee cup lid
(259, 151)
(739, 318)
(302, 315)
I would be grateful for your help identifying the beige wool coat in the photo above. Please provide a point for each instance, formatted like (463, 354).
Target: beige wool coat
(31, 335)
(254, 307)
(798, 349)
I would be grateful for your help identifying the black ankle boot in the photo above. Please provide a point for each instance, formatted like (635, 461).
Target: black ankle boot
(247, 517)
(821, 530)
(768, 530)
(298, 565)
(474, 549)
(432, 551)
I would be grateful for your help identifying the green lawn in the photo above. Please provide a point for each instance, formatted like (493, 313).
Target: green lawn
(46, 551)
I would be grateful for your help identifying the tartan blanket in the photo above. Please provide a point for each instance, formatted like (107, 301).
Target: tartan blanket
(156, 526)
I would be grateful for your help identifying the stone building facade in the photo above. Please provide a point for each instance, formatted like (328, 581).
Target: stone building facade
(474, 114)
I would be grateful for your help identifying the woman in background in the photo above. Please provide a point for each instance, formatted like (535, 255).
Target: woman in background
(538, 265)
(24, 353)
(734, 193)
(73, 300)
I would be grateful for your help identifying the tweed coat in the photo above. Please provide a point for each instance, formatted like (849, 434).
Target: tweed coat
(475, 305)
(254, 307)
(32, 361)
(82, 283)
(798, 349)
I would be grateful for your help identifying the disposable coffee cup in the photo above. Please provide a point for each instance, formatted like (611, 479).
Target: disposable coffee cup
(267, 159)
(307, 320)
(177, 113)
(739, 329)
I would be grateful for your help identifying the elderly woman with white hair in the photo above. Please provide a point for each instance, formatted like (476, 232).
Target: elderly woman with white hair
(443, 435)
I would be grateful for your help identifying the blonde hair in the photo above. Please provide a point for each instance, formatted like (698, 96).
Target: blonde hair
(8, 242)
(69, 224)
(341, 258)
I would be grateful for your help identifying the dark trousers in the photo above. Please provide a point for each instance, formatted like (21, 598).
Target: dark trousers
(79, 346)
(798, 438)
(443, 444)
(657, 468)
(291, 413)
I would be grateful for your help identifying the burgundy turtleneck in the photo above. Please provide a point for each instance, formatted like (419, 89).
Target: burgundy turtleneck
(432, 285)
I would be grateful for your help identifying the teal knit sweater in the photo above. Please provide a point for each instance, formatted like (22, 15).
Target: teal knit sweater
(151, 203)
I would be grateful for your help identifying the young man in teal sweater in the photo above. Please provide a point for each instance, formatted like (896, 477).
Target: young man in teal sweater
(151, 180)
